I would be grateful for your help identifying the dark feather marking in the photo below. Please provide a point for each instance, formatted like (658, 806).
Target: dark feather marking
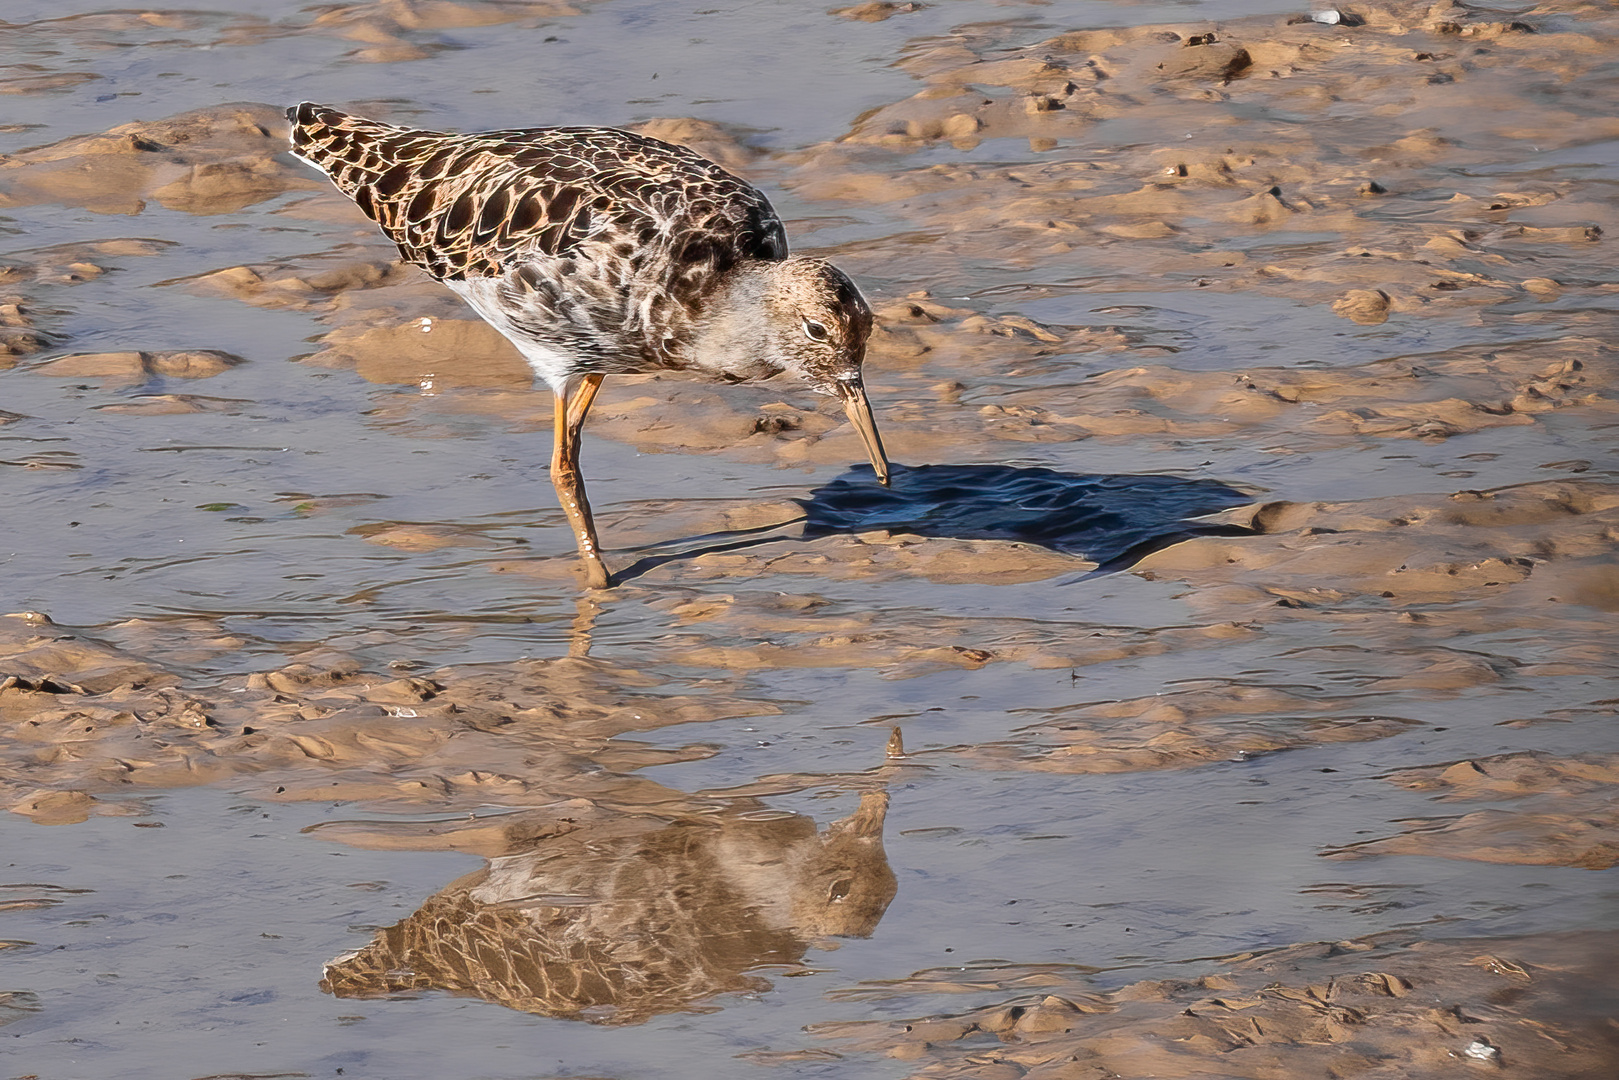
(696, 250)
(493, 215)
(562, 203)
(529, 212)
(549, 239)
(436, 164)
(421, 206)
(393, 181)
(460, 215)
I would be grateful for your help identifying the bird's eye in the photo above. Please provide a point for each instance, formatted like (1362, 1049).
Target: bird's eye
(814, 330)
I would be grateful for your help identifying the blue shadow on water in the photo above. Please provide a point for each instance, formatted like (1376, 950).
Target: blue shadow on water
(1109, 519)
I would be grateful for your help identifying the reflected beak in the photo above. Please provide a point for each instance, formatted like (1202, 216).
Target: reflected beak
(853, 393)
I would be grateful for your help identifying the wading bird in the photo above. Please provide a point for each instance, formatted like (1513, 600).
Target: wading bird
(601, 252)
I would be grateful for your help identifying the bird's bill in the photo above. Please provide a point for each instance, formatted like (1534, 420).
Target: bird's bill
(855, 403)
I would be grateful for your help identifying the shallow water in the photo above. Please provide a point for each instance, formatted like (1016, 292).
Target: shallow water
(300, 594)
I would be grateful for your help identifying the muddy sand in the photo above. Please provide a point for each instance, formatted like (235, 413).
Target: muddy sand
(1244, 602)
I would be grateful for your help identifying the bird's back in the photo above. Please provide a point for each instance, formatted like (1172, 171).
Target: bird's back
(600, 239)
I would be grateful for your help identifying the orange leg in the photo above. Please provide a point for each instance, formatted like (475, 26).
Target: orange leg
(570, 421)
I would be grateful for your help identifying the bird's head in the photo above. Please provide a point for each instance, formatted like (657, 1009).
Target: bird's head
(818, 325)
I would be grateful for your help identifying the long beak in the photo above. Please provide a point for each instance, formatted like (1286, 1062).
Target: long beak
(853, 393)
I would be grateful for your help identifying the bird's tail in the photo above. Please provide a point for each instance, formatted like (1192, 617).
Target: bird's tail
(350, 149)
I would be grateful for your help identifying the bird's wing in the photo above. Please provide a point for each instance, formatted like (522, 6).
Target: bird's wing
(489, 203)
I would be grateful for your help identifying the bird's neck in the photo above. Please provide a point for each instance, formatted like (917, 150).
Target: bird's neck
(731, 338)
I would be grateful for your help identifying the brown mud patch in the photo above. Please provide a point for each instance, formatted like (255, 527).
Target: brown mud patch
(91, 721)
(1427, 397)
(390, 31)
(1569, 815)
(875, 555)
(135, 367)
(1222, 721)
(1211, 132)
(27, 284)
(1390, 1006)
(756, 630)
(210, 161)
(1521, 549)
(381, 31)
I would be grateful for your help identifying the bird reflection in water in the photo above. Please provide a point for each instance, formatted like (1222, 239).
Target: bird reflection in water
(623, 919)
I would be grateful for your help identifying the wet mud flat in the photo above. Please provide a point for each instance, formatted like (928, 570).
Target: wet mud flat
(1244, 604)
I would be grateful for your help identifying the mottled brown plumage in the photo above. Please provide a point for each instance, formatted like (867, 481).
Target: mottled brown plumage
(636, 916)
(600, 252)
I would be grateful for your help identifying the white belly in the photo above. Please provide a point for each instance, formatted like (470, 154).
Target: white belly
(551, 361)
